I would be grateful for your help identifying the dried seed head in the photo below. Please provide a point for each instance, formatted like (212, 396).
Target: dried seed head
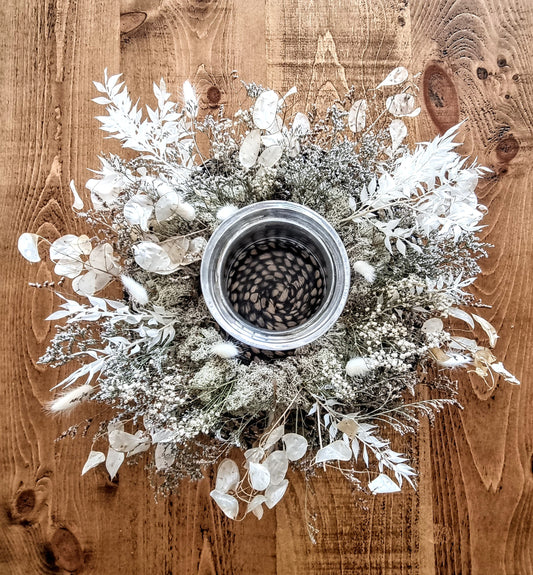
(225, 350)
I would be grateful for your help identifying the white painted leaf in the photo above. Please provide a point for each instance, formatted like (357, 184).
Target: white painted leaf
(397, 131)
(383, 484)
(258, 511)
(460, 314)
(78, 202)
(295, 445)
(163, 435)
(70, 246)
(397, 76)
(487, 328)
(102, 259)
(365, 455)
(400, 246)
(144, 443)
(401, 104)
(357, 116)
(300, 125)
(190, 99)
(254, 455)
(336, 451)
(152, 257)
(138, 211)
(507, 375)
(277, 464)
(113, 462)
(94, 459)
(68, 267)
(112, 425)
(89, 283)
(464, 343)
(250, 148)
(259, 476)
(355, 448)
(256, 506)
(274, 436)
(228, 476)
(123, 441)
(163, 456)
(275, 128)
(433, 325)
(167, 205)
(290, 92)
(27, 245)
(265, 109)
(227, 503)
(274, 493)
(270, 156)
(277, 139)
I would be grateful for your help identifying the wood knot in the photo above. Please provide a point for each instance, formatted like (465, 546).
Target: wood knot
(213, 95)
(440, 97)
(482, 73)
(502, 62)
(130, 21)
(507, 149)
(66, 550)
(25, 502)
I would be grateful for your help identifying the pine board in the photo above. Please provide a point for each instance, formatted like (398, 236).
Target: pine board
(472, 513)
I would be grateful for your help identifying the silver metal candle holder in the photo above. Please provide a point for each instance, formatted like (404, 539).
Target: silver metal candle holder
(275, 275)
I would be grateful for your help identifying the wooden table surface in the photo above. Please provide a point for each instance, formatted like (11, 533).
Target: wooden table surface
(473, 511)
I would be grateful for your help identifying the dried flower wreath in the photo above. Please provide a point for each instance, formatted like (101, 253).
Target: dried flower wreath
(408, 220)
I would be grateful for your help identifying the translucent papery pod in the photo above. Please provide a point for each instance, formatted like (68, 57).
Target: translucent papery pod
(167, 257)
(264, 481)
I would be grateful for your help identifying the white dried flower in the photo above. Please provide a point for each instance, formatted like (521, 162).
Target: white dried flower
(366, 270)
(135, 289)
(226, 211)
(191, 100)
(71, 399)
(186, 211)
(358, 366)
(225, 350)
(455, 360)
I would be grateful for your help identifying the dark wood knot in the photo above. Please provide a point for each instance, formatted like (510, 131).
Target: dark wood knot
(25, 502)
(507, 149)
(502, 62)
(482, 73)
(213, 95)
(66, 550)
(130, 21)
(440, 97)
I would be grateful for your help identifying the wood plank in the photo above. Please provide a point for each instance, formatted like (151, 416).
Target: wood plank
(476, 59)
(54, 48)
(324, 50)
(473, 512)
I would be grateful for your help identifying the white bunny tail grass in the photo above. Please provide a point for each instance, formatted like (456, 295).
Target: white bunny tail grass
(226, 211)
(225, 350)
(358, 366)
(135, 289)
(71, 399)
(186, 211)
(365, 269)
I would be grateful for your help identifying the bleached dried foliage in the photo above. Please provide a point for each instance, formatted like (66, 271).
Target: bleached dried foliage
(409, 221)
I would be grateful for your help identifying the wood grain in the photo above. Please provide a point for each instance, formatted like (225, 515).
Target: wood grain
(473, 511)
